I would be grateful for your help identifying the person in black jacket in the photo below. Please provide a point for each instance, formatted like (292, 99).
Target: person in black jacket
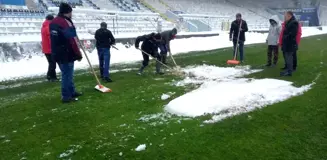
(233, 34)
(289, 45)
(104, 39)
(150, 45)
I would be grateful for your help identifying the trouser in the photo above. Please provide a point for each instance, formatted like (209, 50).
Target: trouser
(104, 61)
(163, 53)
(294, 60)
(51, 74)
(146, 62)
(272, 49)
(289, 61)
(240, 48)
(67, 84)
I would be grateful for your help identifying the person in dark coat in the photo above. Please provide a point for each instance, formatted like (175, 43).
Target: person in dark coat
(233, 34)
(150, 45)
(64, 47)
(46, 49)
(104, 39)
(289, 45)
(167, 36)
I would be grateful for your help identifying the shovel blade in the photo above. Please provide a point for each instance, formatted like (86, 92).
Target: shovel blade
(102, 89)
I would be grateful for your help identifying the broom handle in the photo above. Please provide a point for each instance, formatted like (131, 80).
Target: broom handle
(88, 60)
(155, 59)
(171, 56)
(238, 39)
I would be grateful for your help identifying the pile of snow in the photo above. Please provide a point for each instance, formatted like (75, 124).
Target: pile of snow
(140, 147)
(166, 96)
(223, 94)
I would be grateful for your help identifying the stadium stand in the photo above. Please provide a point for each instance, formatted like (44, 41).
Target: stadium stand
(25, 17)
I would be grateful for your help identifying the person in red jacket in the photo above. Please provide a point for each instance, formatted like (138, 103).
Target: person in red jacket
(298, 39)
(46, 49)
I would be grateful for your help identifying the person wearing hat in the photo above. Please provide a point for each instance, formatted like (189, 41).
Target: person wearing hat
(149, 46)
(167, 36)
(46, 49)
(104, 39)
(64, 47)
(233, 34)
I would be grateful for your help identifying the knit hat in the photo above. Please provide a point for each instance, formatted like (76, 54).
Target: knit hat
(238, 15)
(174, 31)
(65, 8)
(49, 17)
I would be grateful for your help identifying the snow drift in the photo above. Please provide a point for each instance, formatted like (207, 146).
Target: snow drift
(223, 94)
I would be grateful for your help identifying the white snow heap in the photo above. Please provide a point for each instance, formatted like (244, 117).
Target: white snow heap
(140, 147)
(222, 94)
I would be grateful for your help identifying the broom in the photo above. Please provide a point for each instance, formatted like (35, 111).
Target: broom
(234, 61)
(99, 86)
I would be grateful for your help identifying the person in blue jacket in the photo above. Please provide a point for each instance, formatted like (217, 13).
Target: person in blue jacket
(65, 49)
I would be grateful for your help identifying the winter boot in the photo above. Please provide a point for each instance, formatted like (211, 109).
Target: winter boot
(69, 100)
(77, 94)
(285, 73)
(107, 79)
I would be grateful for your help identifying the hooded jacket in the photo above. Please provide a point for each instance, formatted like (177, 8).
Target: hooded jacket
(45, 35)
(167, 36)
(274, 31)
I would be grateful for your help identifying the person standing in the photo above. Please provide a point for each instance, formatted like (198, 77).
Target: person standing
(239, 23)
(272, 41)
(150, 45)
(298, 40)
(104, 39)
(46, 49)
(289, 44)
(65, 49)
(167, 36)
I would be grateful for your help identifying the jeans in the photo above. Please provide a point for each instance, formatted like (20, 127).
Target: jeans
(146, 60)
(241, 49)
(104, 61)
(67, 84)
(51, 74)
(289, 61)
(294, 60)
(163, 53)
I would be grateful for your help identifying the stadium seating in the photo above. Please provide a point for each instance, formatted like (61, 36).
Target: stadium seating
(17, 17)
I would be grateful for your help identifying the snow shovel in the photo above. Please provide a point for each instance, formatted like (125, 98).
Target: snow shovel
(234, 61)
(176, 72)
(99, 86)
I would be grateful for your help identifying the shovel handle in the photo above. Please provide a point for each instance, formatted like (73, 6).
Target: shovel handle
(88, 60)
(154, 58)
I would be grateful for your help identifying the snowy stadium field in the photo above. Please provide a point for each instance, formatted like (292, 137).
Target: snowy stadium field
(216, 112)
